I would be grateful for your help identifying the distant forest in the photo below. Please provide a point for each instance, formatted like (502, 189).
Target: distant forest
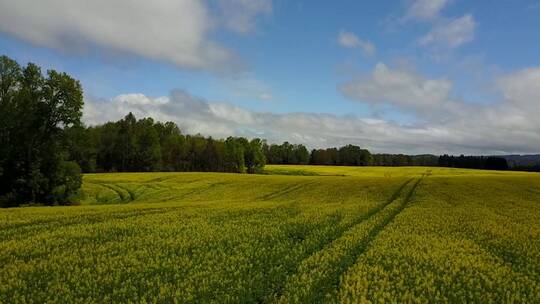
(351, 155)
(131, 145)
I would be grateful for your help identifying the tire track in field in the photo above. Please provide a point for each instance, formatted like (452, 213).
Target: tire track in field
(171, 191)
(339, 231)
(194, 191)
(179, 196)
(121, 195)
(358, 219)
(318, 276)
(160, 179)
(380, 227)
(131, 194)
(284, 191)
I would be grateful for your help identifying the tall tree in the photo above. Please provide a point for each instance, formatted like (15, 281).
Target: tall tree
(234, 156)
(253, 155)
(35, 111)
(148, 153)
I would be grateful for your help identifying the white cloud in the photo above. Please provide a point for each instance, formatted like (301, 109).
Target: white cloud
(446, 33)
(425, 9)
(522, 89)
(509, 126)
(192, 114)
(350, 40)
(451, 34)
(399, 88)
(172, 31)
(240, 15)
(195, 115)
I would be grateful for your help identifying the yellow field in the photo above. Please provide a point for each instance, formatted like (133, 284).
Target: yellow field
(299, 234)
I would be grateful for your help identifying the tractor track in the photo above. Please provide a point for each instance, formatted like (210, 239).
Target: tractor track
(325, 281)
(340, 231)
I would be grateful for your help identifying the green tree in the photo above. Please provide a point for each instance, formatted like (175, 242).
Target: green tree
(234, 156)
(35, 111)
(254, 156)
(125, 147)
(148, 148)
(172, 144)
(82, 145)
(302, 155)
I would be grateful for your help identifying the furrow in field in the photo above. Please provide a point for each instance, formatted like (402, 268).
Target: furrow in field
(114, 187)
(194, 192)
(284, 191)
(161, 179)
(318, 276)
(309, 247)
(130, 192)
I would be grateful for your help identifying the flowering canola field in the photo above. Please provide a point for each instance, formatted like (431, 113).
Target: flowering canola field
(299, 234)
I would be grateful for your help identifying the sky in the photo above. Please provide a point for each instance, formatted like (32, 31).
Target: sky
(400, 76)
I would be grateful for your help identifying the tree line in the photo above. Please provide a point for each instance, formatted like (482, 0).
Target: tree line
(298, 154)
(473, 162)
(348, 155)
(398, 160)
(286, 154)
(143, 145)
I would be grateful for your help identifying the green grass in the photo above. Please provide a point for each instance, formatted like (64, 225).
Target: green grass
(297, 234)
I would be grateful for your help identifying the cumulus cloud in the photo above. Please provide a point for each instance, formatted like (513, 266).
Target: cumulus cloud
(194, 115)
(172, 31)
(350, 40)
(425, 9)
(510, 126)
(240, 15)
(451, 34)
(218, 119)
(400, 88)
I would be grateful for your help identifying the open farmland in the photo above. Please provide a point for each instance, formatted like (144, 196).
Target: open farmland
(300, 234)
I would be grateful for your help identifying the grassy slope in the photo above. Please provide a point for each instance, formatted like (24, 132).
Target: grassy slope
(329, 234)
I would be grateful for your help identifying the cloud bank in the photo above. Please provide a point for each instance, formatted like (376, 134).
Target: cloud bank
(510, 126)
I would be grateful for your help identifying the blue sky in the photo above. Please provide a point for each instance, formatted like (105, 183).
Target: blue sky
(412, 76)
